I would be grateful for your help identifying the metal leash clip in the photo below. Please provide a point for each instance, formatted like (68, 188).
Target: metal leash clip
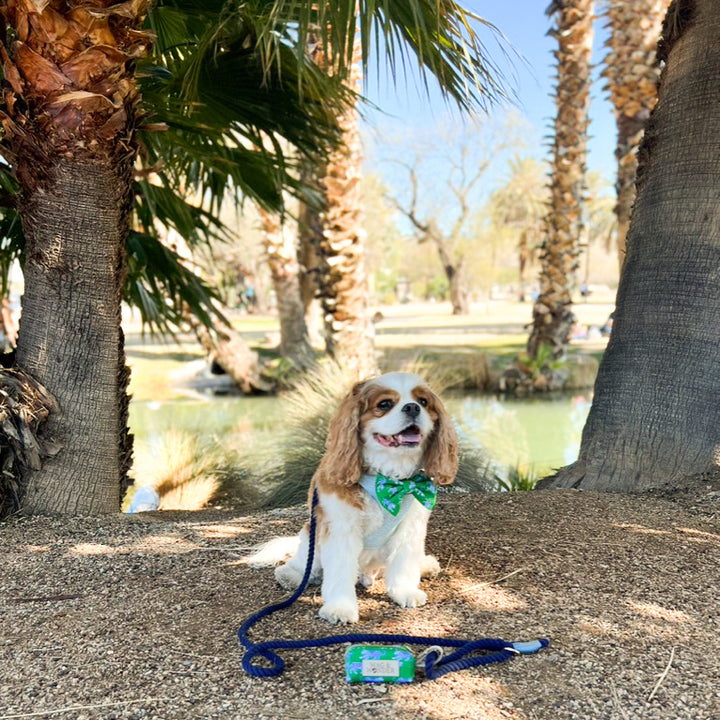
(423, 655)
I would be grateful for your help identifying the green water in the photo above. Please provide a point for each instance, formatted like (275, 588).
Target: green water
(537, 434)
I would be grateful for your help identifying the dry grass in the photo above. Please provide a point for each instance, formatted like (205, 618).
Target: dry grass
(185, 475)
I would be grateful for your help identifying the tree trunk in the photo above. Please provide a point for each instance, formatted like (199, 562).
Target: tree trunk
(70, 112)
(552, 312)
(458, 291)
(655, 416)
(70, 337)
(453, 272)
(285, 272)
(343, 278)
(230, 351)
(632, 72)
(310, 235)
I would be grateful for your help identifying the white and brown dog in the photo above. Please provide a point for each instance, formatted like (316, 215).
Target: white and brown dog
(388, 445)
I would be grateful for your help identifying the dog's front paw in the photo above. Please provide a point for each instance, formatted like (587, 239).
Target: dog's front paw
(429, 567)
(408, 597)
(288, 576)
(340, 613)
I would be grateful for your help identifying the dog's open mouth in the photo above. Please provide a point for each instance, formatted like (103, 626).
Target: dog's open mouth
(410, 436)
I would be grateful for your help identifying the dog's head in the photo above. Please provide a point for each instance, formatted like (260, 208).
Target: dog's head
(394, 424)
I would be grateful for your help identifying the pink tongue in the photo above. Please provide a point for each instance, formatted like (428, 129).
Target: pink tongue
(408, 438)
(386, 440)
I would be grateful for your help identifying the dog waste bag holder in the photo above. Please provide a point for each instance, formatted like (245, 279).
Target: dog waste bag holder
(379, 664)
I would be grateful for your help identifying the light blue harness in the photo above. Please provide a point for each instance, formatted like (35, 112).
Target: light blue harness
(379, 537)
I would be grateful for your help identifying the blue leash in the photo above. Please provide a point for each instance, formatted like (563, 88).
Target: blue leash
(494, 649)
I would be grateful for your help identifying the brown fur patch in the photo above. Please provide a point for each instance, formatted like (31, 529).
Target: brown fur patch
(352, 495)
(428, 399)
(441, 454)
(372, 397)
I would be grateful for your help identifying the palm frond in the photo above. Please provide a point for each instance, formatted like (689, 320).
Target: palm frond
(232, 120)
(439, 36)
(161, 286)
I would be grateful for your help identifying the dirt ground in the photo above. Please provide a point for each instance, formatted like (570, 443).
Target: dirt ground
(135, 617)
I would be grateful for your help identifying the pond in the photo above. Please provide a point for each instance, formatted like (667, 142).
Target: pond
(533, 434)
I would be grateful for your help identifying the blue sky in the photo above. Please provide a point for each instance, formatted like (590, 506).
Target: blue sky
(525, 25)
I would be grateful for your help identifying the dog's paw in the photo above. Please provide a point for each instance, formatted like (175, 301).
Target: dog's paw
(429, 567)
(288, 577)
(340, 613)
(408, 597)
(367, 580)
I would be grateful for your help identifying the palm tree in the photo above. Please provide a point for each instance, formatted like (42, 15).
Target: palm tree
(655, 417)
(72, 124)
(552, 312)
(342, 278)
(632, 72)
(520, 204)
(70, 131)
(282, 258)
(71, 117)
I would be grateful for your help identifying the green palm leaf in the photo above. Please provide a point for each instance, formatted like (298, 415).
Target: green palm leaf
(164, 289)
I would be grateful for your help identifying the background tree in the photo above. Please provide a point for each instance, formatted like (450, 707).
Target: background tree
(599, 225)
(655, 417)
(441, 217)
(552, 312)
(282, 257)
(518, 207)
(341, 272)
(632, 72)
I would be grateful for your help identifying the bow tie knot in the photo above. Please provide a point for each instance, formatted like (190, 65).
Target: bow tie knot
(390, 492)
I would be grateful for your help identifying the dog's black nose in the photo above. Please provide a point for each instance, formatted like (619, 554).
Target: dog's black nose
(412, 410)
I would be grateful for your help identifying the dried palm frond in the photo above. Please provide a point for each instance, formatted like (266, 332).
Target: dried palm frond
(24, 443)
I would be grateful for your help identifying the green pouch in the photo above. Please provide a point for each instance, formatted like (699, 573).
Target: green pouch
(379, 664)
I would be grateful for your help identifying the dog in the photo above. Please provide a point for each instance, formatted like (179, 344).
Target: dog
(390, 443)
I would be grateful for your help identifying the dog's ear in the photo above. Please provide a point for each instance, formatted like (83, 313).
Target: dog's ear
(341, 466)
(441, 454)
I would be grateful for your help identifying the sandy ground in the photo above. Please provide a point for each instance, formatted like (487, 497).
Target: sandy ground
(135, 617)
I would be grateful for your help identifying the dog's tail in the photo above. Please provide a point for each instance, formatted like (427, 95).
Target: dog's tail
(272, 552)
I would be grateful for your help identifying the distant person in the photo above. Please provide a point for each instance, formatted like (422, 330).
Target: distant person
(606, 329)
(247, 298)
(250, 298)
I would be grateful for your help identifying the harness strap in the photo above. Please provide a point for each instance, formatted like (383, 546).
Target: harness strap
(465, 656)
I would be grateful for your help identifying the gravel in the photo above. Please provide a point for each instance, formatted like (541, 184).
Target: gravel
(135, 617)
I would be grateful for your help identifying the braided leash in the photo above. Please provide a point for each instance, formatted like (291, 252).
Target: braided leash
(494, 650)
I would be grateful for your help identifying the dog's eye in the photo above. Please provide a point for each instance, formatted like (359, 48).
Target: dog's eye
(385, 405)
(423, 401)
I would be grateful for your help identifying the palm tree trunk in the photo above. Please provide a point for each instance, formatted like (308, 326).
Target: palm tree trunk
(343, 279)
(230, 351)
(655, 418)
(632, 73)
(69, 124)
(552, 312)
(70, 338)
(285, 272)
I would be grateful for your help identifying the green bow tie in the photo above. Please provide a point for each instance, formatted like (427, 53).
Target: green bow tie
(390, 492)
